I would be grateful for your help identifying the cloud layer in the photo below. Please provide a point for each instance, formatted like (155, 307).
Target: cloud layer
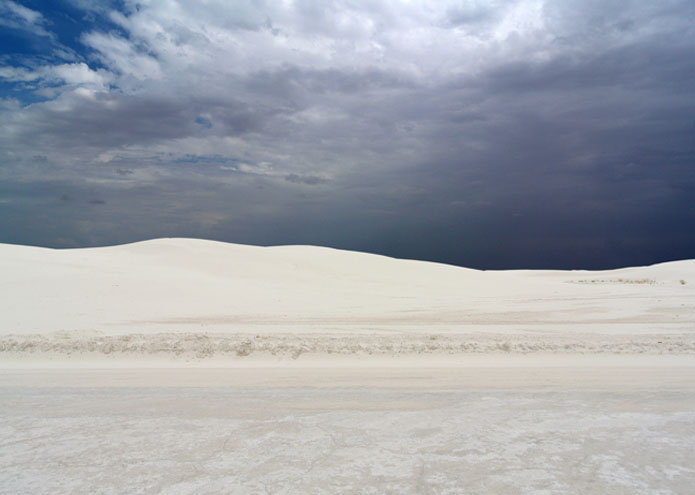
(489, 134)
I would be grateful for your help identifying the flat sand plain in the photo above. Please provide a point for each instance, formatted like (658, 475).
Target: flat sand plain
(385, 430)
(186, 366)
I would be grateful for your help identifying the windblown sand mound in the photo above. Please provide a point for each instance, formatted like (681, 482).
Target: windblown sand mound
(202, 298)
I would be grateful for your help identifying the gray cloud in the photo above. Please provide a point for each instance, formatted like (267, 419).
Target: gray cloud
(310, 180)
(519, 134)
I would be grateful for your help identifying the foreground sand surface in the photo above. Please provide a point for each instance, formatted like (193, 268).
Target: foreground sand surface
(185, 366)
(393, 431)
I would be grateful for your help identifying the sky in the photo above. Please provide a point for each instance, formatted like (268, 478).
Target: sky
(487, 134)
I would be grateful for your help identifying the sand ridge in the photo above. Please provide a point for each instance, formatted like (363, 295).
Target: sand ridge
(190, 299)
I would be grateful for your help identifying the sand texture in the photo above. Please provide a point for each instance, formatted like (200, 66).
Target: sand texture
(396, 431)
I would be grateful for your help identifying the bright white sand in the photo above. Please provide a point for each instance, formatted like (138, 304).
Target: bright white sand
(383, 431)
(185, 301)
(181, 366)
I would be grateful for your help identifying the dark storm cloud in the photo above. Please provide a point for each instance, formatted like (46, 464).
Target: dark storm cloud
(109, 121)
(310, 180)
(658, 64)
(497, 135)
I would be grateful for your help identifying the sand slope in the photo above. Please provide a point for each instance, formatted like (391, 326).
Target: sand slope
(206, 299)
(432, 379)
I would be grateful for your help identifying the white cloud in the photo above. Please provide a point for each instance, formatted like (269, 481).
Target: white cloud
(66, 75)
(80, 74)
(18, 74)
(123, 57)
(27, 15)
(17, 16)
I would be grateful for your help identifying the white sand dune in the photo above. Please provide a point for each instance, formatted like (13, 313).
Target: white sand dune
(185, 366)
(208, 302)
